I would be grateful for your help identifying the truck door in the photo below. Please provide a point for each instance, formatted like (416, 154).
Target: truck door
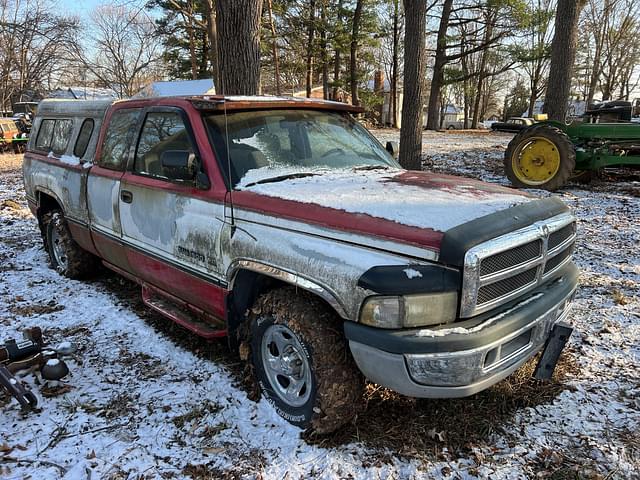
(103, 186)
(173, 229)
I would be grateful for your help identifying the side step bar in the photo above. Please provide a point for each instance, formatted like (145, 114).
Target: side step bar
(190, 317)
(200, 323)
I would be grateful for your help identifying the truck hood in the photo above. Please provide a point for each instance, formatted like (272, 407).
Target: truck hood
(407, 206)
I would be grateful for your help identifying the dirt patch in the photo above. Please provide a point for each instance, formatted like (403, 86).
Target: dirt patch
(10, 162)
(36, 309)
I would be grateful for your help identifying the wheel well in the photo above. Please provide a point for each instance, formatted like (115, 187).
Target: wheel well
(46, 203)
(247, 287)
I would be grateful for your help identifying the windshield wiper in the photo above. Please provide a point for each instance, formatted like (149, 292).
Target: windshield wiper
(372, 167)
(280, 178)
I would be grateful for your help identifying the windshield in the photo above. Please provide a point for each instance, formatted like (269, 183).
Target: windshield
(275, 144)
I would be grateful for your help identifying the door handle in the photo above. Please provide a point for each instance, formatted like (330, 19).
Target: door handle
(126, 196)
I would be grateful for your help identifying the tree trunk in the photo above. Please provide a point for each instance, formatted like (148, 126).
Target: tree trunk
(482, 70)
(192, 42)
(414, 68)
(563, 55)
(310, 35)
(323, 50)
(274, 49)
(212, 33)
(433, 109)
(337, 59)
(394, 68)
(355, 32)
(238, 24)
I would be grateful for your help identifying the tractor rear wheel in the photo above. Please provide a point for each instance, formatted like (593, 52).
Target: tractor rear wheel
(541, 156)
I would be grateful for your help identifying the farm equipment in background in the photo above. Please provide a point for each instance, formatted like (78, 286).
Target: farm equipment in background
(13, 135)
(549, 154)
(30, 354)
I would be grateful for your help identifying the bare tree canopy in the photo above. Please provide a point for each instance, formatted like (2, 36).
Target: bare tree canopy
(126, 49)
(35, 47)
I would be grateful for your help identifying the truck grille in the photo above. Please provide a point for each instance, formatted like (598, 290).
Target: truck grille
(511, 258)
(508, 266)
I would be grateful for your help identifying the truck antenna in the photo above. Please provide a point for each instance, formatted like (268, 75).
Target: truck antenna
(226, 142)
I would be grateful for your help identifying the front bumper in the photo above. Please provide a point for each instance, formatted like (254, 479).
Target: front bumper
(465, 357)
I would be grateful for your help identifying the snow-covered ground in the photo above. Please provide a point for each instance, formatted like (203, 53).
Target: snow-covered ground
(146, 400)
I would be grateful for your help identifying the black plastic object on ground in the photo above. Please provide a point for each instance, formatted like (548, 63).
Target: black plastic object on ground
(552, 349)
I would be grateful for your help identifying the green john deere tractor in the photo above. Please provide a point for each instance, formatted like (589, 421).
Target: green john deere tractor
(548, 154)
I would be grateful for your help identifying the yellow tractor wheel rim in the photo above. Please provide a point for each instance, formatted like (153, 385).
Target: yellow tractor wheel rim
(536, 161)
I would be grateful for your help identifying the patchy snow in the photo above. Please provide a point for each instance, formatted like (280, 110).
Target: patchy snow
(141, 402)
(379, 194)
(52, 362)
(70, 159)
(411, 273)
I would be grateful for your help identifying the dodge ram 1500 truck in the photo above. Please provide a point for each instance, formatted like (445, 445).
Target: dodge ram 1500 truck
(284, 225)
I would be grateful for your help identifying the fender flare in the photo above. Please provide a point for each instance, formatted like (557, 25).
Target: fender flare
(286, 276)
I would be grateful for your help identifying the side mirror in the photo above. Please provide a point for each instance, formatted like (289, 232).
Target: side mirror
(179, 164)
(393, 149)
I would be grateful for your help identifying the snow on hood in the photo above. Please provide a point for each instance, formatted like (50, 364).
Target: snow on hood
(418, 199)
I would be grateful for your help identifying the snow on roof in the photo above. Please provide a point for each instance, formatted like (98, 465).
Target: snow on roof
(83, 93)
(177, 88)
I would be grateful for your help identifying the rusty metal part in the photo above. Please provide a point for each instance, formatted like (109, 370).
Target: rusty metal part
(11, 384)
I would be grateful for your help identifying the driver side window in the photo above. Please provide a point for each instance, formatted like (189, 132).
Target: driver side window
(162, 132)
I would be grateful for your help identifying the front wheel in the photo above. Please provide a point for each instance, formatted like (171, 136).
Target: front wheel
(541, 156)
(301, 361)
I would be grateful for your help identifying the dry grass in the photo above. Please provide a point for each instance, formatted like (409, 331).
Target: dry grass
(10, 162)
(413, 427)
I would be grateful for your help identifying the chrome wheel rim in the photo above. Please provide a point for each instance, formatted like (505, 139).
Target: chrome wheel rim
(58, 249)
(286, 365)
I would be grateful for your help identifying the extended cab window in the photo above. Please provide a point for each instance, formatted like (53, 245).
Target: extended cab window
(115, 146)
(162, 132)
(54, 135)
(83, 138)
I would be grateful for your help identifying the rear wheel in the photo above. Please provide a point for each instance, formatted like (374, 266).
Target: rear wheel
(540, 157)
(301, 360)
(65, 255)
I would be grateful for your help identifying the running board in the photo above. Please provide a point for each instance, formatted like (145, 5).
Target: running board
(195, 320)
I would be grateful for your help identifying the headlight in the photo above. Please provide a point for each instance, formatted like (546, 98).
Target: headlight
(410, 310)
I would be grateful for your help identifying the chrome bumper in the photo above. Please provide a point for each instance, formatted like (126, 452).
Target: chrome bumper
(461, 372)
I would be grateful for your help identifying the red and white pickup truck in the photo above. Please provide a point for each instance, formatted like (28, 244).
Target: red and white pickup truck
(283, 224)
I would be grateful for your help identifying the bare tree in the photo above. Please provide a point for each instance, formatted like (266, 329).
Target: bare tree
(238, 24)
(35, 49)
(126, 49)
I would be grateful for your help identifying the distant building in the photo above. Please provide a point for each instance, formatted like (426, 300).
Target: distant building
(83, 93)
(177, 88)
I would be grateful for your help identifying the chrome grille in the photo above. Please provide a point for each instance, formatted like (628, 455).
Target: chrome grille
(510, 258)
(509, 284)
(556, 238)
(508, 266)
(555, 262)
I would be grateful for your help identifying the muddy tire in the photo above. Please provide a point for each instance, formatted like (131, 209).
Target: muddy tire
(296, 348)
(541, 156)
(65, 255)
